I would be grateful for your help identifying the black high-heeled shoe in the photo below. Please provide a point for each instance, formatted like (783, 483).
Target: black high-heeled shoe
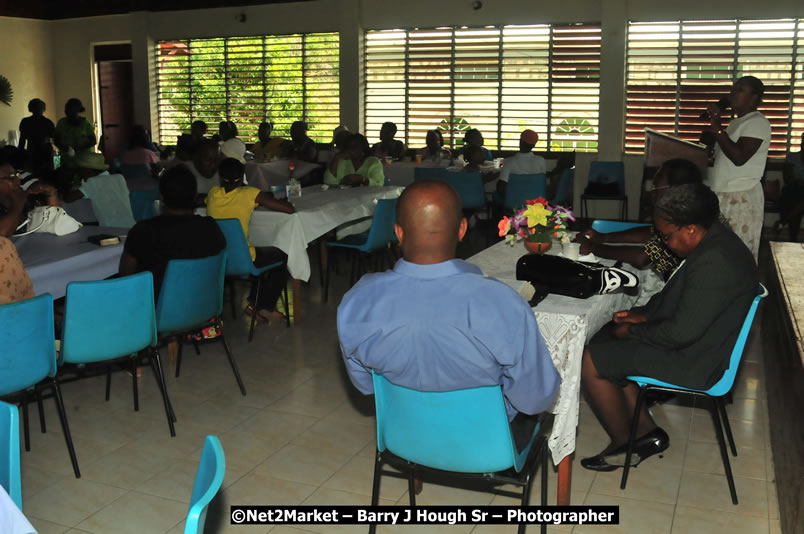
(654, 442)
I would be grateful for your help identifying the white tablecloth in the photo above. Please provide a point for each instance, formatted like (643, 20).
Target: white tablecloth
(275, 173)
(11, 519)
(566, 324)
(317, 212)
(54, 261)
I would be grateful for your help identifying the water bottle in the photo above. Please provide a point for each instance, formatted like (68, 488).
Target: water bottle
(291, 179)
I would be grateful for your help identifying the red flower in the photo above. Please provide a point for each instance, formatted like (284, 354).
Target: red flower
(539, 200)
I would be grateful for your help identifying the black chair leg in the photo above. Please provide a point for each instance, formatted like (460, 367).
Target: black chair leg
(231, 360)
(108, 381)
(254, 308)
(722, 407)
(25, 428)
(321, 263)
(163, 381)
(178, 355)
(195, 346)
(287, 304)
(135, 387)
(326, 276)
(39, 405)
(375, 487)
(65, 427)
(545, 467)
(724, 454)
(632, 437)
(411, 485)
(233, 296)
(353, 274)
(156, 365)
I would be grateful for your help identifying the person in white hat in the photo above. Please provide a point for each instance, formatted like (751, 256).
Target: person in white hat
(108, 192)
(234, 148)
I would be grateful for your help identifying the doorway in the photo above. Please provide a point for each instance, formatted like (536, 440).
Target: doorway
(113, 70)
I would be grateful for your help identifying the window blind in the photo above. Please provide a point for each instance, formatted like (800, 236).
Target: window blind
(247, 80)
(674, 69)
(498, 79)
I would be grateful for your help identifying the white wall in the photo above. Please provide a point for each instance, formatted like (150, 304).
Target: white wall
(73, 60)
(28, 65)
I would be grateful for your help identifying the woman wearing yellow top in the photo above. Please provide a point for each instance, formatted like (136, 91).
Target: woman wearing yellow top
(234, 200)
(267, 148)
(355, 165)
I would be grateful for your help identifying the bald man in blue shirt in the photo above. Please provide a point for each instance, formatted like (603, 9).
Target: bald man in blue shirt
(436, 323)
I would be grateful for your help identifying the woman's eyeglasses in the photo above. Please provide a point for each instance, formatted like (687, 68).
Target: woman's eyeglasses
(652, 189)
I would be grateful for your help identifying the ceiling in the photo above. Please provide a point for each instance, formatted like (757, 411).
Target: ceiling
(66, 9)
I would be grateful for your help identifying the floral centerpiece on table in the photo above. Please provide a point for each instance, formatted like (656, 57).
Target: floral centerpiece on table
(538, 223)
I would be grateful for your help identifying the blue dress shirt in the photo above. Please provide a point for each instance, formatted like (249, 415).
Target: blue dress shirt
(445, 327)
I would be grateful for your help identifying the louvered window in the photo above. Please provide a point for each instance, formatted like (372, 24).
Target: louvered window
(283, 78)
(676, 68)
(498, 79)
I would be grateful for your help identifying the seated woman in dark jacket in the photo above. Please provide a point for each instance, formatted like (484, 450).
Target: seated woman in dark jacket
(684, 335)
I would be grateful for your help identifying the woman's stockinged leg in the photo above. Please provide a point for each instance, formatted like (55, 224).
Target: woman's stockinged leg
(608, 400)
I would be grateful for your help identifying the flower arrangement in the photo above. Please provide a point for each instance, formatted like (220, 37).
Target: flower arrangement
(537, 222)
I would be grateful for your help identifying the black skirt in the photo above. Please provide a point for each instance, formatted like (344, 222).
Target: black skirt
(615, 359)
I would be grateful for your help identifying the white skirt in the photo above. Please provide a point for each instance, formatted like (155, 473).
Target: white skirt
(745, 211)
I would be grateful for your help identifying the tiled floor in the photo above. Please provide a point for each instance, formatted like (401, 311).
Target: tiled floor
(303, 435)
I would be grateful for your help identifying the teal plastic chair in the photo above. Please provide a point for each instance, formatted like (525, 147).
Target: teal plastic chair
(109, 321)
(524, 187)
(208, 481)
(28, 360)
(607, 172)
(609, 227)
(10, 477)
(469, 186)
(143, 204)
(377, 238)
(564, 190)
(714, 393)
(239, 265)
(463, 432)
(429, 173)
(191, 298)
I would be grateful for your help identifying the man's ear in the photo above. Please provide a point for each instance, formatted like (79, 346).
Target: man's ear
(399, 233)
(462, 229)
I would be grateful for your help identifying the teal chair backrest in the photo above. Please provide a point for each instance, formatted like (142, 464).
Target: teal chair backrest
(429, 173)
(523, 187)
(465, 430)
(27, 343)
(10, 452)
(382, 225)
(142, 204)
(724, 385)
(564, 191)
(726, 382)
(606, 172)
(608, 227)
(191, 294)
(238, 257)
(108, 319)
(469, 186)
(208, 481)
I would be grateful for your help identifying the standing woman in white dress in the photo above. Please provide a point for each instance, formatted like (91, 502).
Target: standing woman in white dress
(740, 156)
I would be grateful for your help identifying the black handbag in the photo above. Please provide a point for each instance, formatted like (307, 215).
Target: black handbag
(562, 276)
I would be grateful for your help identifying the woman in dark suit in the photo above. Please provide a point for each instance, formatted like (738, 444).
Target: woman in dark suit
(684, 335)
